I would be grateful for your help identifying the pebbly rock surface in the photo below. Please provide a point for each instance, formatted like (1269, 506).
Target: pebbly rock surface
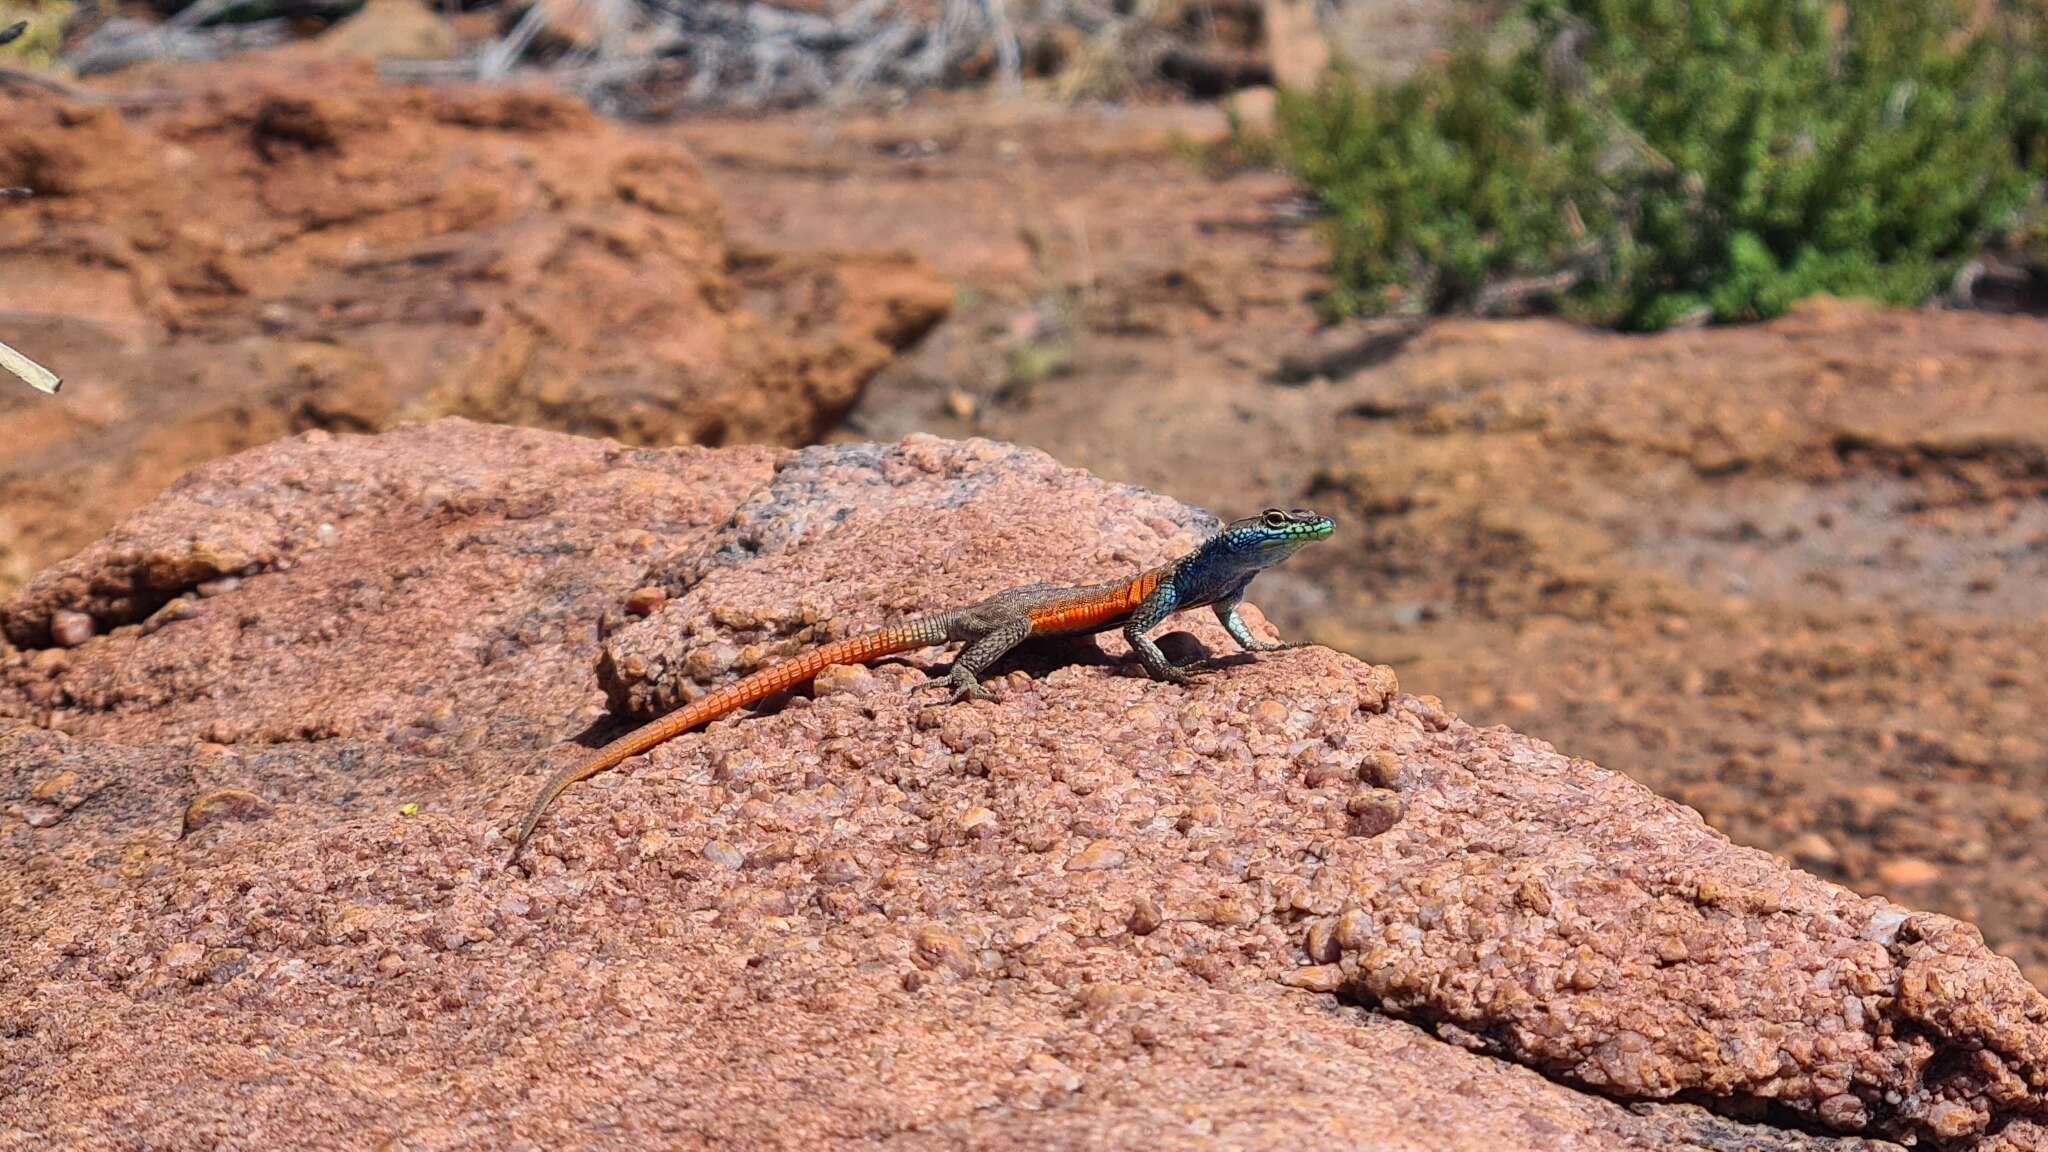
(252, 833)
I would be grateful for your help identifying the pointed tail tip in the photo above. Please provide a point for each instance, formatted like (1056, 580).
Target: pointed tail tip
(518, 846)
(519, 843)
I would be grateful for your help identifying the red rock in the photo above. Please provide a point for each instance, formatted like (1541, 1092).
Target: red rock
(644, 601)
(1527, 908)
(282, 241)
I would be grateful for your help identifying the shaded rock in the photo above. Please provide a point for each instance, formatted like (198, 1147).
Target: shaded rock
(291, 244)
(794, 895)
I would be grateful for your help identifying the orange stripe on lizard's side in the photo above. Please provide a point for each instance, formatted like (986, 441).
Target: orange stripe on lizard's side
(1141, 586)
(1095, 608)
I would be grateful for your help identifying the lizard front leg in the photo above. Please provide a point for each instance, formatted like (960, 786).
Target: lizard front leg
(1226, 612)
(1156, 607)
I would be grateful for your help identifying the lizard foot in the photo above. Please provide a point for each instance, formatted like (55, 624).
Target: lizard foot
(966, 687)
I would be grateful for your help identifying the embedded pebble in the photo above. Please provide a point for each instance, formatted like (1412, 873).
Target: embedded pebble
(218, 804)
(1373, 811)
(1269, 714)
(1353, 931)
(1098, 856)
(1321, 942)
(1145, 917)
(645, 600)
(61, 789)
(70, 629)
(1844, 1112)
(939, 948)
(1382, 769)
(1315, 978)
(852, 679)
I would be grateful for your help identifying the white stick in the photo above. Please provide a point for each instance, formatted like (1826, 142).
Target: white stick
(33, 374)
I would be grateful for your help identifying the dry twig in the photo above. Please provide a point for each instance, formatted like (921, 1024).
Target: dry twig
(32, 374)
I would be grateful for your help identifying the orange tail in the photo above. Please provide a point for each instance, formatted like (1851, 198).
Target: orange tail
(906, 637)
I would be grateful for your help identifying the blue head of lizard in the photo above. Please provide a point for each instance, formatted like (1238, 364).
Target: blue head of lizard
(1243, 547)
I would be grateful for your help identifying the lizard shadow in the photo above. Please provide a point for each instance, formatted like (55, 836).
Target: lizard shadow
(1040, 658)
(1036, 658)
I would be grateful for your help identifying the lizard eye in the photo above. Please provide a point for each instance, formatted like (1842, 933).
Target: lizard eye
(1274, 518)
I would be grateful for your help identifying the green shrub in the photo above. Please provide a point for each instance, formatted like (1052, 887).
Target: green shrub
(37, 46)
(1682, 157)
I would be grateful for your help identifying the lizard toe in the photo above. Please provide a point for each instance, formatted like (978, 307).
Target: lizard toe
(971, 690)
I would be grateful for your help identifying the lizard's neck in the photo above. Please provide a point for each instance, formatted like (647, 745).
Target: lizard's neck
(1207, 575)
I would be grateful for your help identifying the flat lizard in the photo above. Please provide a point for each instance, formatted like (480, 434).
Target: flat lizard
(1214, 574)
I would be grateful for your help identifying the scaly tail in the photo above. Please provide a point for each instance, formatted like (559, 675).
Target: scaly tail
(905, 637)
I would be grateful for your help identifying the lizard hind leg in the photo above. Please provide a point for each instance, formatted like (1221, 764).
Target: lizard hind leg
(987, 641)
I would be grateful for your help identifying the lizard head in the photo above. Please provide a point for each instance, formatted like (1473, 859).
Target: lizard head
(1272, 536)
